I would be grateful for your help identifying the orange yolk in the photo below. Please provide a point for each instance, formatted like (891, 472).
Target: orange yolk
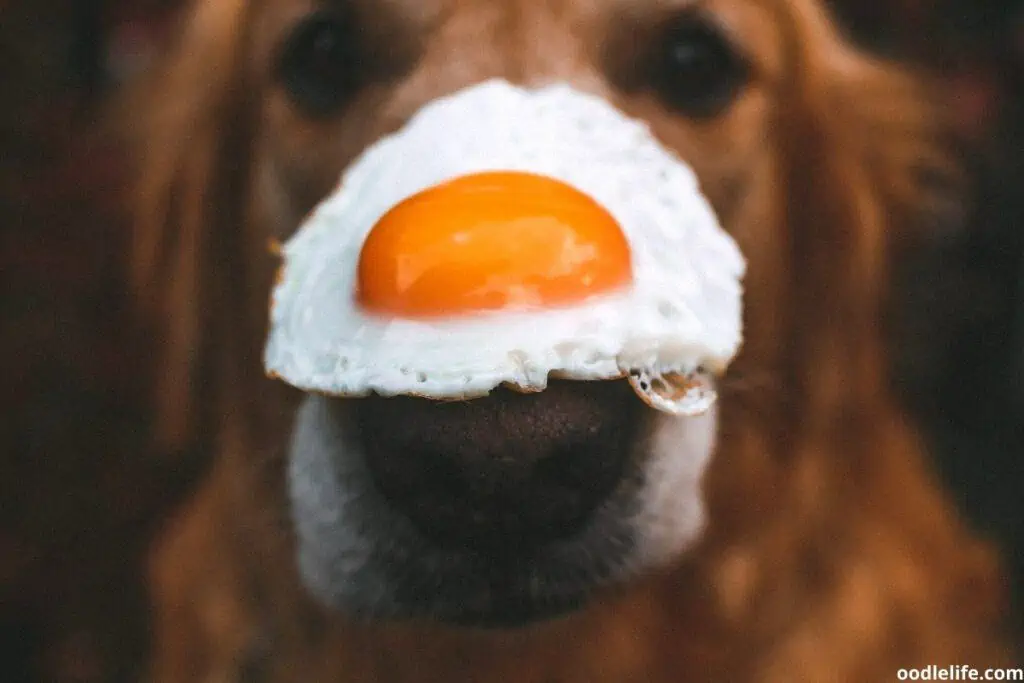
(490, 241)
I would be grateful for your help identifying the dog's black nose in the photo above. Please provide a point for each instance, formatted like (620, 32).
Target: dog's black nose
(503, 474)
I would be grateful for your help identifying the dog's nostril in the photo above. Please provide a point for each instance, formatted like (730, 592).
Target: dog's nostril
(567, 465)
(441, 477)
(428, 479)
(567, 470)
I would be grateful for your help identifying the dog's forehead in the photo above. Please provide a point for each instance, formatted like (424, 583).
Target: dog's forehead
(553, 25)
(430, 14)
(434, 9)
(438, 8)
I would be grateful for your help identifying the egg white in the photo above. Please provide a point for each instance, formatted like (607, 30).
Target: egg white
(681, 311)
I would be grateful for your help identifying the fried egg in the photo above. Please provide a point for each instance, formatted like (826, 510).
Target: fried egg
(501, 237)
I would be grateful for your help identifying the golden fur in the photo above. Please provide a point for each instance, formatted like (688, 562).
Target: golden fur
(830, 553)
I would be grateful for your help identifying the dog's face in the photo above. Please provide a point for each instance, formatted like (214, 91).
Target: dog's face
(510, 508)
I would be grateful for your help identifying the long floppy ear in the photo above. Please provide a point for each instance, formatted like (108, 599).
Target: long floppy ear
(862, 143)
(861, 150)
(192, 136)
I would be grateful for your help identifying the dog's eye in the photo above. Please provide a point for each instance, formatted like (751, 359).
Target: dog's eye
(697, 71)
(321, 65)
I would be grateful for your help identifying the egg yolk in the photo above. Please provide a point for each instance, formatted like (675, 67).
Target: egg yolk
(491, 241)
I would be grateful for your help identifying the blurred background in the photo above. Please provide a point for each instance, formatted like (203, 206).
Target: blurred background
(78, 499)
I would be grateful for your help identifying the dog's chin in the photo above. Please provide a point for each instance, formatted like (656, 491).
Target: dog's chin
(515, 612)
(361, 557)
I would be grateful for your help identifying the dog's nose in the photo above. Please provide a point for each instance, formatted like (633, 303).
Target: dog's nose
(503, 474)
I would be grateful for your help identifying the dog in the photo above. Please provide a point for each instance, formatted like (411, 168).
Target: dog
(826, 548)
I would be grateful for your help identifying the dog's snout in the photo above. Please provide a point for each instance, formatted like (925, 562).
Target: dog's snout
(503, 474)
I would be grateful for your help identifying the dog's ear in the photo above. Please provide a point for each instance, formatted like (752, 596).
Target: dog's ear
(191, 135)
(862, 145)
